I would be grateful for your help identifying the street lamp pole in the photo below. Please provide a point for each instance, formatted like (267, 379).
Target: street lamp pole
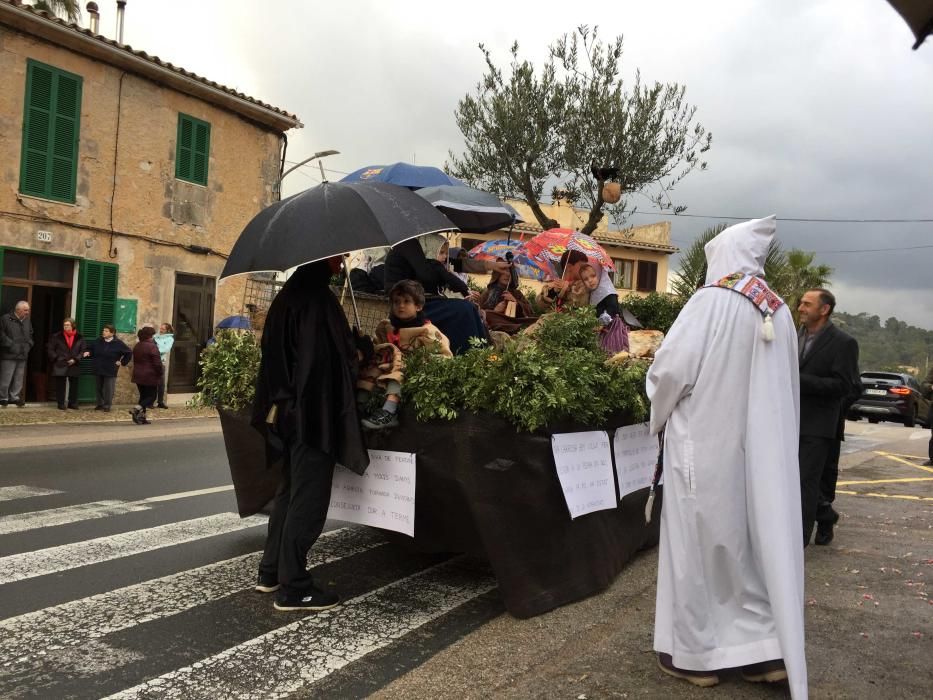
(319, 154)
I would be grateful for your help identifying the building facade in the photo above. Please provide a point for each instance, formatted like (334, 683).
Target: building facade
(125, 183)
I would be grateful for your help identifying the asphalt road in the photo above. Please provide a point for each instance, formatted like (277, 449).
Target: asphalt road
(125, 572)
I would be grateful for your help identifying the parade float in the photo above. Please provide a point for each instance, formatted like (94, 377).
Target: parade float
(532, 454)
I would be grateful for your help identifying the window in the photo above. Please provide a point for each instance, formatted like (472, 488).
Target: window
(647, 276)
(51, 123)
(193, 149)
(625, 271)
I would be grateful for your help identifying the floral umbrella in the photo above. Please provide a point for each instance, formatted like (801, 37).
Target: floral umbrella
(497, 250)
(545, 250)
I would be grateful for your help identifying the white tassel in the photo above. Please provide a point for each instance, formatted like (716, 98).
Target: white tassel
(767, 329)
(649, 506)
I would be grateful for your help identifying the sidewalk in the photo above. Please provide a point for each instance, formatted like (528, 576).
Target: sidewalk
(49, 414)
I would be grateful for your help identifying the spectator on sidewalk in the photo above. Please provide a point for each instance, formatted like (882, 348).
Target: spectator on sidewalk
(107, 354)
(15, 343)
(829, 383)
(147, 372)
(65, 349)
(164, 340)
(723, 387)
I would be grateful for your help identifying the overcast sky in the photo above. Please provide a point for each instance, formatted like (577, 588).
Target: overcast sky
(818, 108)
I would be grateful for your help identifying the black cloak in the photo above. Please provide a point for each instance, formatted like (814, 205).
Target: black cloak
(309, 370)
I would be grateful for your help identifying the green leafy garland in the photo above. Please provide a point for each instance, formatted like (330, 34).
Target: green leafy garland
(229, 367)
(561, 374)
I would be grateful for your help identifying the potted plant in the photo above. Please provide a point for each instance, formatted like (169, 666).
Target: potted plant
(228, 383)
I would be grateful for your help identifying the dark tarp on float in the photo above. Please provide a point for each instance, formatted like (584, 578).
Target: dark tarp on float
(485, 490)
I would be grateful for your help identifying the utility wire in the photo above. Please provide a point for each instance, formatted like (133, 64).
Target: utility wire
(787, 218)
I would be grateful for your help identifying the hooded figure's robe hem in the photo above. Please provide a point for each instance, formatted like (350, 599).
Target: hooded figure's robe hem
(724, 657)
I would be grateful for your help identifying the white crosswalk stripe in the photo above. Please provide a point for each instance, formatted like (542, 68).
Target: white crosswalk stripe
(324, 642)
(27, 637)
(17, 567)
(66, 515)
(13, 493)
(21, 522)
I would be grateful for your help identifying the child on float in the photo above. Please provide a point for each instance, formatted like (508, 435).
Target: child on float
(613, 333)
(404, 330)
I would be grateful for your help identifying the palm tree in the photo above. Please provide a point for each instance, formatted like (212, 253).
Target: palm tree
(69, 9)
(692, 273)
(801, 275)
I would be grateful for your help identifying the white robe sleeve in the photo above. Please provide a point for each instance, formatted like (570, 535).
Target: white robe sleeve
(679, 359)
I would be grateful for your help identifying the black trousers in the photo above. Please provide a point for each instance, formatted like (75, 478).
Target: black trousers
(819, 469)
(298, 514)
(72, 390)
(160, 396)
(147, 395)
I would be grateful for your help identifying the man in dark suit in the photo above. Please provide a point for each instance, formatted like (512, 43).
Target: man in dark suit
(829, 382)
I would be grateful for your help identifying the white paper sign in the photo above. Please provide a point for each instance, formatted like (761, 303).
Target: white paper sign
(383, 497)
(584, 467)
(636, 452)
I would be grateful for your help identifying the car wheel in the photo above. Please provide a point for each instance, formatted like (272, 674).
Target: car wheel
(911, 421)
(873, 420)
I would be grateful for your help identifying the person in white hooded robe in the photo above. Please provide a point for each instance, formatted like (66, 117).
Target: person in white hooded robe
(724, 388)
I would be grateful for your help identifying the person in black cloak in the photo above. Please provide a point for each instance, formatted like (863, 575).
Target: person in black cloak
(306, 407)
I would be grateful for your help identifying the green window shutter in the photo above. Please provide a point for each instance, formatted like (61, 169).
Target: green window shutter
(51, 130)
(97, 302)
(193, 149)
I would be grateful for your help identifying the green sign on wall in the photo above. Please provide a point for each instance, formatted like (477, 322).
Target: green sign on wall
(125, 316)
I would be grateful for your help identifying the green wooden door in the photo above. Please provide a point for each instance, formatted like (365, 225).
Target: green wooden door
(97, 300)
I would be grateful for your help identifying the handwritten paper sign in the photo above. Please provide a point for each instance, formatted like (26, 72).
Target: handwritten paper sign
(584, 467)
(383, 497)
(636, 453)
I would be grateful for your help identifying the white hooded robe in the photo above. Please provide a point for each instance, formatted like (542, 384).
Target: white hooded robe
(730, 573)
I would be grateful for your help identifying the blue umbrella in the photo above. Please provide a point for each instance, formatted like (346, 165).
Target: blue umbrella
(403, 174)
(237, 322)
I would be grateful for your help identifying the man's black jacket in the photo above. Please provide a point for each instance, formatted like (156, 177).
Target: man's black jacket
(829, 383)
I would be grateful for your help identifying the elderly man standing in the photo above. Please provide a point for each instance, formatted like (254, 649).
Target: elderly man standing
(723, 388)
(15, 343)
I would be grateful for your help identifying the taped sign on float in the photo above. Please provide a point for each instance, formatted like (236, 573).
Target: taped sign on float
(383, 497)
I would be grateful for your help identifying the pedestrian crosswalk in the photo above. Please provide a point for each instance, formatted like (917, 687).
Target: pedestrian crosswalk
(201, 631)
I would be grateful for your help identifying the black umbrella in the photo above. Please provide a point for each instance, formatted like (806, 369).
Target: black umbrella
(474, 211)
(331, 219)
(919, 17)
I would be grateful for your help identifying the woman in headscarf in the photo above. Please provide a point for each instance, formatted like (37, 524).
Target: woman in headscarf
(501, 290)
(424, 260)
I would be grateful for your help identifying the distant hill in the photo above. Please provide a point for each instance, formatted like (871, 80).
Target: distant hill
(892, 345)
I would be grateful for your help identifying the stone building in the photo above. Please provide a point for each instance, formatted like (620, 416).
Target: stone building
(124, 183)
(641, 254)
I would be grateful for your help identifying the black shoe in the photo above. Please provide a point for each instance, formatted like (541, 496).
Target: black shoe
(380, 419)
(3, 404)
(61, 407)
(20, 404)
(765, 672)
(134, 412)
(74, 408)
(313, 599)
(161, 405)
(98, 408)
(105, 409)
(824, 535)
(703, 679)
(266, 583)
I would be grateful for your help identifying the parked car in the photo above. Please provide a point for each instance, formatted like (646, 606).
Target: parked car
(891, 396)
